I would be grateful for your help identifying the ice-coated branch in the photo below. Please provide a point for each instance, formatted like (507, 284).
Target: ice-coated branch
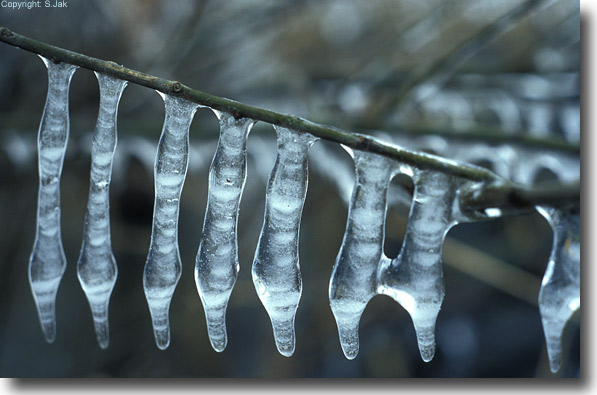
(507, 196)
(356, 141)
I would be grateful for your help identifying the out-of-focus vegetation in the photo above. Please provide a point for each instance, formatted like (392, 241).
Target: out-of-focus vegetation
(337, 62)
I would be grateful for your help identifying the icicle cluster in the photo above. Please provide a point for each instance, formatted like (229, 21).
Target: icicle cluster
(48, 262)
(560, 292)
(97, 268)
(276, 270)
(414, 278)
(559, 296)
(217, 267)
(163, 266)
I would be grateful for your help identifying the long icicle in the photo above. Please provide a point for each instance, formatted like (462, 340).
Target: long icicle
(48, 262)
(414, 279)
(276, 271)
(96, 268)
(353, 281)
(163, 266)
(559, 296)
(216, 266)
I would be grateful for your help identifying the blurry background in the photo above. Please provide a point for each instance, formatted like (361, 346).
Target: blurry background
(397, 66)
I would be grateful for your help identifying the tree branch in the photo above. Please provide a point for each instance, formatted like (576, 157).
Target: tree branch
(508, 196)
(356, 141)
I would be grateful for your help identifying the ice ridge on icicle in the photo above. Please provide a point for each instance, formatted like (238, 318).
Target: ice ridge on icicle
(414, 278)
(559, 296)
(48, 262)
(216, 266)
(276, 270)
(353, 281)
(96, 267)
(163, 266)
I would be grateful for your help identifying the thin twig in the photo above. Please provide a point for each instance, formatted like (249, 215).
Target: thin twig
(241, 110)
(506, 196)
(356, 141)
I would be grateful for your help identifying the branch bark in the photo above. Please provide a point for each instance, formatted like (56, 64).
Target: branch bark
(350, 139)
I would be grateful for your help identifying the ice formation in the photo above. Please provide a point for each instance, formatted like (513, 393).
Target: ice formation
(276, 270)
(414, 278)
(559, 296)
(163, 266)
(48, 262)
(217, 267)
(97, 268)
(353, 282)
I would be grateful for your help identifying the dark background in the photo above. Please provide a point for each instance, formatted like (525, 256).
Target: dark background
(330, 61)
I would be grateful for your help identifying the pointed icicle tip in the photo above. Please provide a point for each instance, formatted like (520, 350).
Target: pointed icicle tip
(348, 331)
(284, 336)
(102, 331)
(162, 338)
(218, 337)
(49, 331)
(427, 351)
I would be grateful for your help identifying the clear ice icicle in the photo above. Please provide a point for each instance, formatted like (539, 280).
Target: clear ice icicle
(353, 281)
(414, 278)
(216, 266)
(559, 296)
(97, 268)
(276, 271)
(48, 262)
(163, 266)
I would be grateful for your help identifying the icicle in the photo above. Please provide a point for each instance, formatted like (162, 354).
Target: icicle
(217, 267)
(48, 262)
(559, 296)
(97, 268)
(414, 278)
(353, 281)
(163, 266)
(276, 270)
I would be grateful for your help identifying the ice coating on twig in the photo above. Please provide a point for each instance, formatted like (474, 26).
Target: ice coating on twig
(559, 296)
(353, 281)
(217, 267)
(163, 266)
(96, 269)
(414, 278)
(48, 262)
(276, 271)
